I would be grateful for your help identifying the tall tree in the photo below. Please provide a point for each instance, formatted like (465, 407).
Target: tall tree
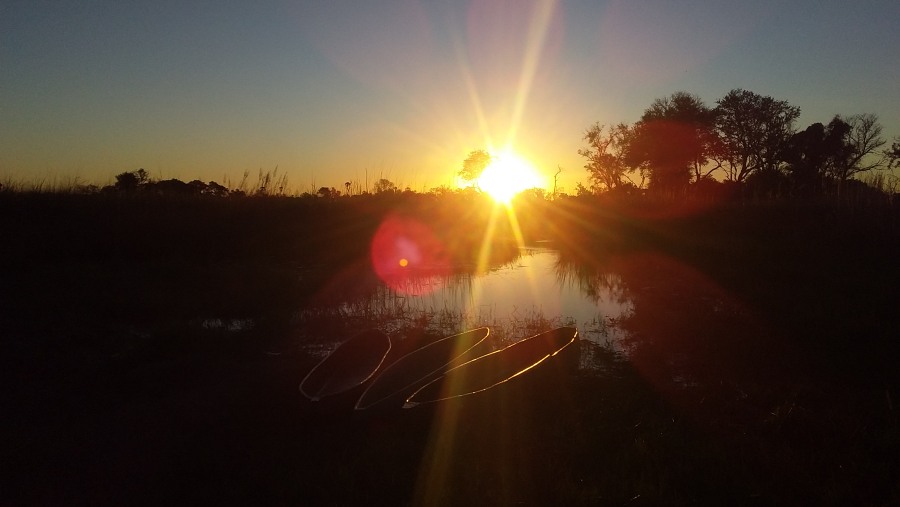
(812, 153)
(132, 179)
(474, 164)
(605, 154)
(837, 152)
(673, 141)
(385, 185)
(328, 193)
(752, 130)
(860, 152)
(893, 154)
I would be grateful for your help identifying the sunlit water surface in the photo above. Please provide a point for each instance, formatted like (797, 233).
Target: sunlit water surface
(518, 296)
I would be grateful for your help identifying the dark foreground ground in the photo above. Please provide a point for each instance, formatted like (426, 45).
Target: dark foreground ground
(761, 372)
(230, 428)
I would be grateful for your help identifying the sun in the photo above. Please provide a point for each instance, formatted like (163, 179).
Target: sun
(507, 175)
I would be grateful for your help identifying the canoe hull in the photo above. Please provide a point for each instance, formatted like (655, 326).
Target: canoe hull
(348, 366)
(496, 368)
(407, 374)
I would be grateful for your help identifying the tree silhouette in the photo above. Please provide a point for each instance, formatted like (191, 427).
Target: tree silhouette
(328, 193)
(474, 164)
(835, 152)
(861, 141)
(215, 189)
(751, 137)
(131, 180)
(555, 180)
(893, 153)
(606, 154)
(812, 152)
(384, 185)
(174, 187)
(752, 129)
(673, 139)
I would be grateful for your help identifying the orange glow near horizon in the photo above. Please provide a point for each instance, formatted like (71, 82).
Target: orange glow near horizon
(507, 175)
(515, 60)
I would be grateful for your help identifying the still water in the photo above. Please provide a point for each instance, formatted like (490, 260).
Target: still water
(671, 321)
(518, 295)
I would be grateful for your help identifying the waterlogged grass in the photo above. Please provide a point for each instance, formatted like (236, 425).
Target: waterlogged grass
(153, 350)
(222, 421)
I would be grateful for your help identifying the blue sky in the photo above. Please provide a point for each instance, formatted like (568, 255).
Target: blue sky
(332, 91)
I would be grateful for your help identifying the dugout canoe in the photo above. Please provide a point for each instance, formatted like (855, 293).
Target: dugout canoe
(496, 368)
(350, 365)
(407, 374)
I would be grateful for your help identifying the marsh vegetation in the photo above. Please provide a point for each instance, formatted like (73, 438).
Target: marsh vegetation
(153, 345)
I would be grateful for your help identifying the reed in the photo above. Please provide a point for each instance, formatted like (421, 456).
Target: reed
(158, 341)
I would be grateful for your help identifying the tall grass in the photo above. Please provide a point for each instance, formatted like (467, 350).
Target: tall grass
(268, 183)
(786, 396)
(48, 185)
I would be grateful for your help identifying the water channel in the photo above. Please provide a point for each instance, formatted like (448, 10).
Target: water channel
(517, 296)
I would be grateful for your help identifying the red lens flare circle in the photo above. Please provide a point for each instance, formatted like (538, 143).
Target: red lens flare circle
(404, 251)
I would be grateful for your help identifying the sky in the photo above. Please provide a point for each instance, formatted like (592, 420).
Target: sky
(336, 91)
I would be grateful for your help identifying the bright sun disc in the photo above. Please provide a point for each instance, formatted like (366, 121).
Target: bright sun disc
(507, 175)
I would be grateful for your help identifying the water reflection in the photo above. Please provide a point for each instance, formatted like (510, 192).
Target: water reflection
(683, 330)
(666, 318)
(596, 283)
(535, 289)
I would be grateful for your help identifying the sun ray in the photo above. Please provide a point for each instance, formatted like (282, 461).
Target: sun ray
(476, 101)
(439, 458)
(539, 24)
(537, 33)
(520, 242)
(484, 254)
(514, 224)
(507, 175)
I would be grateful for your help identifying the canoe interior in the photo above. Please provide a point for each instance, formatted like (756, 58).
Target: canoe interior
(404, 376)
(348, 366)
(495, 368)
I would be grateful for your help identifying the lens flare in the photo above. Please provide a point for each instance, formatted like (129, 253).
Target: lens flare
(405, 251)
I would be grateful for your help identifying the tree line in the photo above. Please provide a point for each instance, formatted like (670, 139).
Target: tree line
(746, 140)
(268, 184)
